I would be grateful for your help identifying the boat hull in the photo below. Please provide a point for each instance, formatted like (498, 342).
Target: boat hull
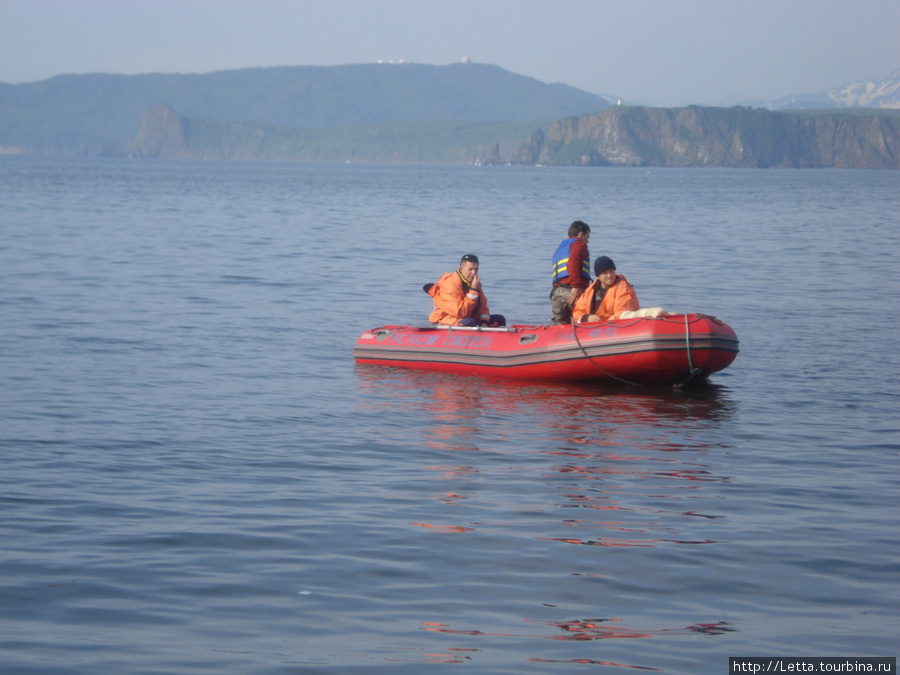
(669, 350)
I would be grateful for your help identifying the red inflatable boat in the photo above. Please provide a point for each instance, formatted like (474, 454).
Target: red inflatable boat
(667, 350)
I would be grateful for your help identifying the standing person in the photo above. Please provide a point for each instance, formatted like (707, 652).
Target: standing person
(459, 299)
(607, 297)
(571, 271)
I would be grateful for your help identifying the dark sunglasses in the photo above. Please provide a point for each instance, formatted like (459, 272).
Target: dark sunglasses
(469, 257)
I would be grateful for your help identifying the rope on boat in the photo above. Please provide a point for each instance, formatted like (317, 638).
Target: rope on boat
(693, 372)
(687, 342)
(588, 357)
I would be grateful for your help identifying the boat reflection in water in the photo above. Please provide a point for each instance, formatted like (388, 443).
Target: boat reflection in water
(541, 490)
(484, 414)
(561, 482)
(589, 450)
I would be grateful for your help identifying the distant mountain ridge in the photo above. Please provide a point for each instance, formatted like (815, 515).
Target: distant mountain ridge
(882, 93)
(461, 113)
(89, 114)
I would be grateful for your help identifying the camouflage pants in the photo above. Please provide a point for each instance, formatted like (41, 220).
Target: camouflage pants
(559, 303)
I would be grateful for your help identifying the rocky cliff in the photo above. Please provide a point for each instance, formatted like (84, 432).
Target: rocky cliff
(163, 133)
(725, 137)
(618, 136)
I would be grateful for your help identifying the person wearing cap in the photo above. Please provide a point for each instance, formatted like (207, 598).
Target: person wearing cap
(459, 299)
(571, 271)
(607, 297)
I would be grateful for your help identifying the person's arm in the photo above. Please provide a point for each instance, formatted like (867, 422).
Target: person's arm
(452, 299)
(574, 294)
(582, 307)
(475, 292)
(484, 314)
(623, 298)
(578, 253)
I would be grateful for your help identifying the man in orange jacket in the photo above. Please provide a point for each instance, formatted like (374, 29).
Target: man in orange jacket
(607, 297)
(459, 299)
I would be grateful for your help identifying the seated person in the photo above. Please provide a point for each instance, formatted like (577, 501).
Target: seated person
(608, 297)
(459, 300)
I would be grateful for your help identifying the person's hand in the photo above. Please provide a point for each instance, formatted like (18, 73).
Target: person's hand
(573, 296)
(476, 282)
(593, 318)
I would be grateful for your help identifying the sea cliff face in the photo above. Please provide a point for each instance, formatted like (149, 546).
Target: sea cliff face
(621, 136)
(724, 137)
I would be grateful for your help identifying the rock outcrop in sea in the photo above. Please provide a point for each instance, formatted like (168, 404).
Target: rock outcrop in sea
(163, 133)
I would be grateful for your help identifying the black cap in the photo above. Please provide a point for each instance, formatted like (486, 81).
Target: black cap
(602, 264)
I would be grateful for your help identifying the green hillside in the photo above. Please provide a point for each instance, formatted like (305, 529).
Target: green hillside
(164, 133)
(98, 113)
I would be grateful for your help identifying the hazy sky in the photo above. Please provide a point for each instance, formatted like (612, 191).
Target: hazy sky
(659, 52)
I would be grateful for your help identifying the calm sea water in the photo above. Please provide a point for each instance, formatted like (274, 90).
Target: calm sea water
(196, 478)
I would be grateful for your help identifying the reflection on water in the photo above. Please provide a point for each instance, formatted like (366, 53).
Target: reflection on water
(631, 456)
(605, 469)
(589, 629)
(460, 406)
(576, 631)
